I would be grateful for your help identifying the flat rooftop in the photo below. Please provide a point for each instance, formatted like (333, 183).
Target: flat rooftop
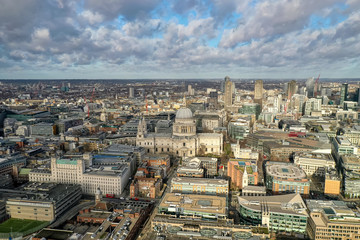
(199, 181)
(335, 211)
(47, 192)
(343, 141)
(284, 170)
(196, 203)
(350, 159)
(54, 234)
(320, 156)
(202, 159)
(186, 169)
(287, 204)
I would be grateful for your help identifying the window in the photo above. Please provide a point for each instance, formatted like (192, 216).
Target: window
(184, 144)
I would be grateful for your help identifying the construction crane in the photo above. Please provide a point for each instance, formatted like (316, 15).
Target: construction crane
(316, 86)
(92, 96)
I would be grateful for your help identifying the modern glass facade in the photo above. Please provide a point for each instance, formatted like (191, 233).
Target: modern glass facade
(278, 221)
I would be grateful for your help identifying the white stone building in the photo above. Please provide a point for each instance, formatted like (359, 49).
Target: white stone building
(314, 163)
(183, 141)
(74, 171)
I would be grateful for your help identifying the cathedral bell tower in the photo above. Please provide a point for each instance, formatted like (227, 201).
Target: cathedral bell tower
(142, 128)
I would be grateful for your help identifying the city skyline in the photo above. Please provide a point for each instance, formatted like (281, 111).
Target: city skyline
(179, 39)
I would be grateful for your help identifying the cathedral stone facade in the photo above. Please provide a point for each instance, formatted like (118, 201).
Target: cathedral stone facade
(183, 141)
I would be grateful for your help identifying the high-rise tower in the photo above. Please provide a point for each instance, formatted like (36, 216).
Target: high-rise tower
(131, 92)
(292, 88)
(258, 92)
(228, 92)
(343, 93)
(310, 87)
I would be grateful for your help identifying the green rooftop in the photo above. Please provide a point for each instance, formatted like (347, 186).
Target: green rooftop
(66, 161)
(24, 171)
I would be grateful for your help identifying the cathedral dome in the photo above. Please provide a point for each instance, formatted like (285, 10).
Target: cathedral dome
(184, 113)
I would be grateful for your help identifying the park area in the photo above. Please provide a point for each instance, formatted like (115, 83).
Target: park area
(21, 226)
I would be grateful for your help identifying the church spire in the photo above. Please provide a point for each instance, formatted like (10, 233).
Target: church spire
(142, 127)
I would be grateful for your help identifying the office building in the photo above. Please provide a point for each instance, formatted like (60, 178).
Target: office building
(110, 179)
(258, 92)
(342, 146)
(251, 109)
(286, 178)
(64, 124)
(190, 168)
(209, 164)
(146, 187)
(343, 93)
(242, 172)
(238, 129)
(187, 171)
(253, 191)
(332, 220)
(131, 92)
(349, 167)
(43, 129)
(191, 91)
(244, 153)
(42, 201)
(314, 163)
(195, 228)
(157, 161)
(285, 213)
(344, 115)
(332, 182)
(310, 87)
(297, 103)
(228, 93)
(213, 100)
(207, 186)
(312, 105)
(9, 163)
(292, 88)
(194, 205)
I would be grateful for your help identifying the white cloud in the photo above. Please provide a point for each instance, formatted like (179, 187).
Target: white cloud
(274, 32)
(270, 18)
(92, 18)
(41, 34)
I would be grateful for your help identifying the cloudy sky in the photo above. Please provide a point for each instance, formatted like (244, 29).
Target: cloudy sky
(179, 38)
